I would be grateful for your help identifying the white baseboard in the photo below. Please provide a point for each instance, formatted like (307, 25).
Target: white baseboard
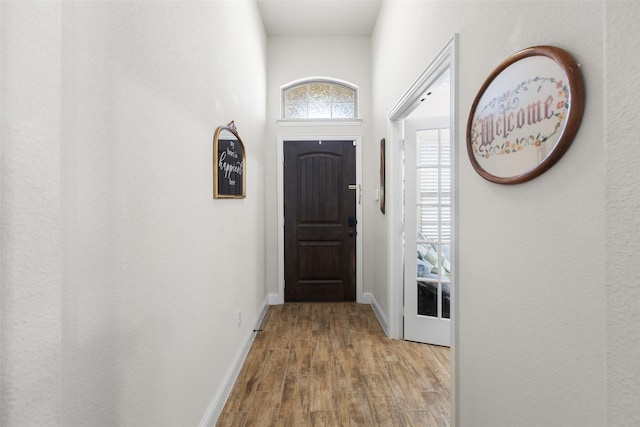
(274, 299)
(224, 390)
(369, 298)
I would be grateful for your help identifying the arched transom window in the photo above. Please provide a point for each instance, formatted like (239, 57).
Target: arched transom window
(319, 99)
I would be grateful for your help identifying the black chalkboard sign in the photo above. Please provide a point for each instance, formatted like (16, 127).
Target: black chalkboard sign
(228, 164)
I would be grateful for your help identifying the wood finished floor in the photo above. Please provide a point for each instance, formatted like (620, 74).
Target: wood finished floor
(330, 364)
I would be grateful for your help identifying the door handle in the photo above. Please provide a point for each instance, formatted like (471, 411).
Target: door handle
(351, 222)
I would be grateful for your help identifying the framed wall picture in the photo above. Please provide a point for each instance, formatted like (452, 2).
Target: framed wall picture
(525, 115)
(382, 174)
(228, 164)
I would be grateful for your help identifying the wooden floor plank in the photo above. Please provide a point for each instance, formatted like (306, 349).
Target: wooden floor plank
(324, 419)
(439, 407)
(300, 357)
(232, 419)
(272, 374)
(440, 362)
(294, 419)
(420, 366)
(419, 419)
(330, 364)
(404, 387)
(354, 408)
(264, 410)
(322, 387)
(382, 403)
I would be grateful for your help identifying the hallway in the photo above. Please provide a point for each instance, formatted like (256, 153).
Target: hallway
(129, 294)
(330, 364)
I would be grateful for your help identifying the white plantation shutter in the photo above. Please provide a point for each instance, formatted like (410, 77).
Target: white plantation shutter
(434, 186)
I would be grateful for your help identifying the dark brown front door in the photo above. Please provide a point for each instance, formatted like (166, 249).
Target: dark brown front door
(319, 210)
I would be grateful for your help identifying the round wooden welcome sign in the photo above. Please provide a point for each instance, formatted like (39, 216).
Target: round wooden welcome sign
(525, 115)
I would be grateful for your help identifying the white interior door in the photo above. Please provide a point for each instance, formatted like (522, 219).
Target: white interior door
(428, 231)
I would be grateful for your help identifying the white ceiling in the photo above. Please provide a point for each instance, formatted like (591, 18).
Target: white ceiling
(319, 17)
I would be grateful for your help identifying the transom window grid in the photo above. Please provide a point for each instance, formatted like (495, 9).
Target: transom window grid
(433, 202)
(319, 100)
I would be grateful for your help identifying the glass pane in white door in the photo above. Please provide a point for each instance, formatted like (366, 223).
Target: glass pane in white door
(433, 203)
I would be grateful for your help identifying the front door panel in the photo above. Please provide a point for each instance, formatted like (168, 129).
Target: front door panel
(320, 244)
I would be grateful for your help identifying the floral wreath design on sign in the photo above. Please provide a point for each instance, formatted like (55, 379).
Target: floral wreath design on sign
(534, 113)
(519, 127)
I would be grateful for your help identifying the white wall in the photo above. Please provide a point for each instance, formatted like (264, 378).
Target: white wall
(108, 172)
(293, 58)
(531, 277)
(31, 229)
(622, 156)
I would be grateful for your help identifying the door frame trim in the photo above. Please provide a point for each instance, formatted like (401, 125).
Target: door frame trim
(446, 58)
(279, 297)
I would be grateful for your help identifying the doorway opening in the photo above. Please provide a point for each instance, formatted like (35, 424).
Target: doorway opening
(320, 248)
(404, 242)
